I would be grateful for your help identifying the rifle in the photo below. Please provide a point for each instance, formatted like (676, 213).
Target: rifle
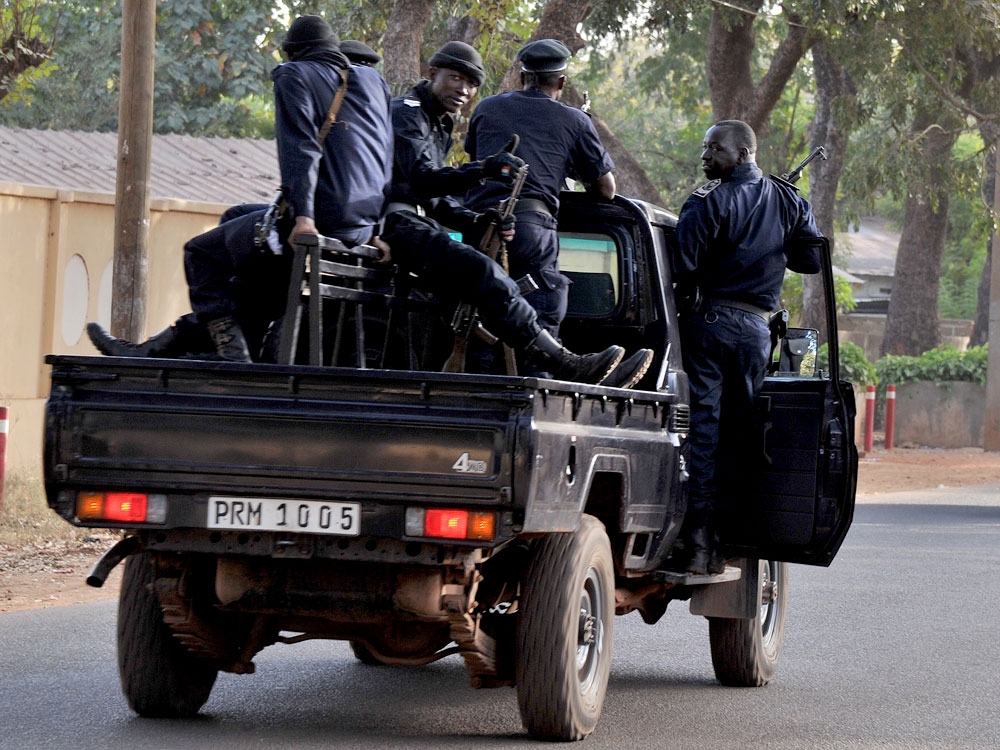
(792, 177)
(268, 223)
(465, 322)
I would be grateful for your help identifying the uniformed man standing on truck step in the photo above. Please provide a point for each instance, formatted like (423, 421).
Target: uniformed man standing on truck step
(735, 236)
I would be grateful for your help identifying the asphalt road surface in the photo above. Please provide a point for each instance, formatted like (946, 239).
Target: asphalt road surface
(894, 646)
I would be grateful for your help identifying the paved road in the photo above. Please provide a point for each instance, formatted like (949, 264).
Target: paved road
(894, 646)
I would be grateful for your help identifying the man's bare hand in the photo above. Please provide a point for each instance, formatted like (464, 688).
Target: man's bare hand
(303, 225)
(379, 244)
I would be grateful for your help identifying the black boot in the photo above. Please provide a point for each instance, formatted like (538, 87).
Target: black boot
(230, 343)
(630, 371)
(160, 345)
(580, 368)
(698, 545)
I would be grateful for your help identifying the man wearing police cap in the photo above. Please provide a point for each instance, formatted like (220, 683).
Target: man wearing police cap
(557, 141)
(423, 123)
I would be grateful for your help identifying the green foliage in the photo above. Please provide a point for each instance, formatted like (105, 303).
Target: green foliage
(854, 366)
(939, 365)
(969, 226)
(213, 59)
(791, 295)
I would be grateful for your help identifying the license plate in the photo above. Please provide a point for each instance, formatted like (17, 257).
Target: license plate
(275, 514)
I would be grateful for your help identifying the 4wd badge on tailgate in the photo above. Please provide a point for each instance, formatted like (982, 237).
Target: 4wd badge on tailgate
(466, 465)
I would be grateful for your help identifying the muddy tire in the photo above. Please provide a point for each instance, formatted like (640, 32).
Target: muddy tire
(745, 652)
(564, 633)
(159, 677)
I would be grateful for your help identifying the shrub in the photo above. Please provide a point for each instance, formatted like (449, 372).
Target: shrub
(854, 366)
(937, 366)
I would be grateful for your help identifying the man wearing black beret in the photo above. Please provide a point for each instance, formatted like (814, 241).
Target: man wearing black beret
(557, 141)
(422, 123)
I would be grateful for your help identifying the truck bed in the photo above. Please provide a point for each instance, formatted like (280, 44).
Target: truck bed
(196, 429)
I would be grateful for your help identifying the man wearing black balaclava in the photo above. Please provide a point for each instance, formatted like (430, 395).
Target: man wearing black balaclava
(337, 188)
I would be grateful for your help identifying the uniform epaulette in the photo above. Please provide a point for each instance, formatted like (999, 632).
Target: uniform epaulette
(707, 188)
(411, 101)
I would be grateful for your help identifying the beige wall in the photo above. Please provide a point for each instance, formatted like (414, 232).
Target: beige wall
(57, 249)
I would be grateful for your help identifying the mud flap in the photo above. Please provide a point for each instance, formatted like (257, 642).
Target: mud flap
(733, 599)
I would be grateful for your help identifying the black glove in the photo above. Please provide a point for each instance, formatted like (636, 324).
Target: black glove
(491, 216)
(501, 166)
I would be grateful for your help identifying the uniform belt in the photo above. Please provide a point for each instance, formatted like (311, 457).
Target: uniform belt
(744, 306)
(525, 205)
(395, 206)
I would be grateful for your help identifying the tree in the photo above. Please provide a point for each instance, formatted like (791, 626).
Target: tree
(213, 61)
(834, 88)
(22, 44)
(943, 75)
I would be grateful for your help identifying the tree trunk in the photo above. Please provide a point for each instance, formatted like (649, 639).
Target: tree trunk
(630, 176)
(404, 33)
(731, 43)
(911, 327)
(833, 85)
(981, 325)
(559, 20)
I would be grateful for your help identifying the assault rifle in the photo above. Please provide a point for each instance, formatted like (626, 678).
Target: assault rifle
(466, 321)
(793, 176)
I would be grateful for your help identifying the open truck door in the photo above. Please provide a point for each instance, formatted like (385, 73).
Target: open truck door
(793, 497)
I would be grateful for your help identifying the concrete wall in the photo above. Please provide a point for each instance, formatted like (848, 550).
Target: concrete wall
(57, 263)
(868, 332)
(949, 415)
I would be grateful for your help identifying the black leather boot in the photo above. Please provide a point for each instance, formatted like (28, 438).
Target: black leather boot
(159, 345)
(631, 370)
(230, 343)
(565, 365)
(698, 544)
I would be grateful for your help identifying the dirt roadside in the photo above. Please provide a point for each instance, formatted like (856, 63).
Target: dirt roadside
(52, 573)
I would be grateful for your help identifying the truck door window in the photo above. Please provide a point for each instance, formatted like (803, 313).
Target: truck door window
(591, 263)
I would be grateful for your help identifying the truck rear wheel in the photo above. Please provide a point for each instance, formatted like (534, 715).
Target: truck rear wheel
(159, 677)
(745, 651)
(564, 633)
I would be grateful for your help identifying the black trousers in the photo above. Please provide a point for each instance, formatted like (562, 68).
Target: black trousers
(228, 275)
(725, 353)
(456, 272)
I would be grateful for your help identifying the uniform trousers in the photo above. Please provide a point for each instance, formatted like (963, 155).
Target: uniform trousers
(458, 272)
(227, 274)
(725, 354)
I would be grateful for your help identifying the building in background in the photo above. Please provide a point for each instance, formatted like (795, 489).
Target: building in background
(57, 192)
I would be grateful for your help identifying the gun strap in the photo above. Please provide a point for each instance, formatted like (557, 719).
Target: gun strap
(338, 99)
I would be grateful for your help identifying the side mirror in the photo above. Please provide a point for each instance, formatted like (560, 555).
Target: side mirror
(797, 355)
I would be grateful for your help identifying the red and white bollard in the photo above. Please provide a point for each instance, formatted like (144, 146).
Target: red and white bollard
(869, 418)
(3, 450)
(890, 416)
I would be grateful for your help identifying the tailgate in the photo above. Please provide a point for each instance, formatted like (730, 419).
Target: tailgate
(259, 430)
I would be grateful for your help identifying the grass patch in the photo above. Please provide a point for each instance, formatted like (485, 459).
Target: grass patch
(26, 518)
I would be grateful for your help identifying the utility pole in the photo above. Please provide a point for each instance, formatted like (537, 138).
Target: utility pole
(991, 427)
(135, 141)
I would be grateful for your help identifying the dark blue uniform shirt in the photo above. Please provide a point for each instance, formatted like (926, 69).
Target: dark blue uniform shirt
(557, 141)
(735, 237)
(423, 140)
(344, 184)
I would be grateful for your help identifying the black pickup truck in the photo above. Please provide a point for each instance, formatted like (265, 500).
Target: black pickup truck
(419, 514)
